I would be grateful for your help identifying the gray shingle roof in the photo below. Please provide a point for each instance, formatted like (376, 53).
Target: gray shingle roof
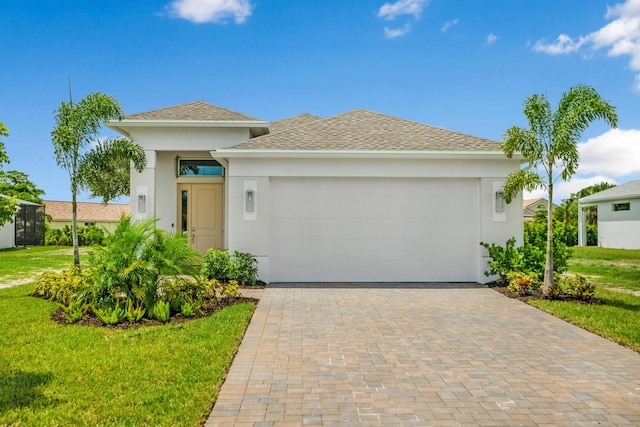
(292, 122)
(629, 190)
(192, 111)
(369, 131)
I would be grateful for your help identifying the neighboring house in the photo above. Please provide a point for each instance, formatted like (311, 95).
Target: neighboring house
(86, 214)
(531, 206)
(618, 216)
(357, 197)
(27, 228)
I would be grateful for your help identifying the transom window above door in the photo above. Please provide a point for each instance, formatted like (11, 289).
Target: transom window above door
(199, 167)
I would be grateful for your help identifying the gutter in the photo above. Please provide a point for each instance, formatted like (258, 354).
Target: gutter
(366, 154)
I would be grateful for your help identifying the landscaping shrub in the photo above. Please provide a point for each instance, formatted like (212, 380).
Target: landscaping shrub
(579, 287)
(62, 287)
(503, 260)
(241, 267)
(523, 283)
(87, 236)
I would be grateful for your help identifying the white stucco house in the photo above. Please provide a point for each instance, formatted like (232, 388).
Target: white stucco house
(357, 197)
(618, 216)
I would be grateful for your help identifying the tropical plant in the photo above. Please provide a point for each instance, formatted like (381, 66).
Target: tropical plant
(111, 315)
(162, 311)
(135, 258)
(76, 128)
(550, 147)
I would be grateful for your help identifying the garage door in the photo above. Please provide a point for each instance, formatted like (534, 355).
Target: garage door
(373, 230)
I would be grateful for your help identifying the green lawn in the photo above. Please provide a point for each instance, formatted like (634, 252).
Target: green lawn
(23, 263)
(617, 319)
(616, 272)
(612, 268)
(75, 375)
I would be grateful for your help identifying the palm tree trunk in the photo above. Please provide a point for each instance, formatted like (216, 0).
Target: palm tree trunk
(548, 268)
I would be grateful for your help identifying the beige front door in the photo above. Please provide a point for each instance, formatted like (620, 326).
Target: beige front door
(200, 215)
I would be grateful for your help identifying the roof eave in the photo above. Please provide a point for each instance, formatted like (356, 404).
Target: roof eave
(585, 201)
(363, 154)
(258, 127)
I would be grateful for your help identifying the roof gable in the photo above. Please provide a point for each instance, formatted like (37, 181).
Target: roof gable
(629, 190)
(192, 111)
(292, 122)
(363, 130)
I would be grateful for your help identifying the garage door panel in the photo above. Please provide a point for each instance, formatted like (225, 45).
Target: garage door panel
(355, 229)
(369, 229)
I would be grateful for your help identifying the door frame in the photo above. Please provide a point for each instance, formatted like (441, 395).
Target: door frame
(181, 183)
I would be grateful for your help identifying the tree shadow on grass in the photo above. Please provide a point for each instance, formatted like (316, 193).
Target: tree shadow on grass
(19, 389)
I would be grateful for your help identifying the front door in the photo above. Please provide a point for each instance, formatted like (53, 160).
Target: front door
(200, 215)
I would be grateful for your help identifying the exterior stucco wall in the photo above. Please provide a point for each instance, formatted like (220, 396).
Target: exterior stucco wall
(619, 229)
(7, 235)
(253, 236)
(158, 181)
(619, 234)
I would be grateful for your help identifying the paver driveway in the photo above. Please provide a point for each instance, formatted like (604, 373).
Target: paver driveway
(421, 355)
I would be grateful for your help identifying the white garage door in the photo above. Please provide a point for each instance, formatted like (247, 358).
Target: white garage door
(373, 230)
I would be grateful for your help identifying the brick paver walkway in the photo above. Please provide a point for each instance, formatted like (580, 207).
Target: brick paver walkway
(411, 355)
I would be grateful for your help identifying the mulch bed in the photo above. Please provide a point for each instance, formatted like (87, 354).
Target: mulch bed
(524, 298)
(207, 309)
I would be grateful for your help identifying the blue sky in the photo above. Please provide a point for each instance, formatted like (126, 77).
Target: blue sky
(465, 65)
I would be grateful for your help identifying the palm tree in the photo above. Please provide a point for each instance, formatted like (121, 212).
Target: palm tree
(76, 129)
(550, 146)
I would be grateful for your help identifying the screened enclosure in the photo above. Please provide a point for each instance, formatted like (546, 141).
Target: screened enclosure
(29, 225)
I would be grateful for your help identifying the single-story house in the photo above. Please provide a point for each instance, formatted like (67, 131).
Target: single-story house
(618, 216)
(357, 197)
(26, 229)
(87, 213)
(531, 206)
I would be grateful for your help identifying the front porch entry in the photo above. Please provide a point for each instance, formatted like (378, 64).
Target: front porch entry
(200, 207)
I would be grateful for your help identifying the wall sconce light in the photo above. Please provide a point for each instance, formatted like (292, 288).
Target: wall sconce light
(142, 203)
(499, 201)
(250, 205)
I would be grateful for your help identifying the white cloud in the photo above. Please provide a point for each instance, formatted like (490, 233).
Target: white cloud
(621, 37)
(448, 25)
(563, 44)
(390, 11)
(491, 38)
(201, 11)
(392, 33)
(615, 153)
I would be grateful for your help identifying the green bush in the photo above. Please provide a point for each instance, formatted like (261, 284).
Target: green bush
(503, 260)
(579, 287)
(87, 236)
(217, 265)
(241, 267)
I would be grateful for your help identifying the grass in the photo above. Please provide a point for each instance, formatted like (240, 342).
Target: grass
(18, 264)
(610, 268)
(74, 375)
(615, 272)
(617, 319)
